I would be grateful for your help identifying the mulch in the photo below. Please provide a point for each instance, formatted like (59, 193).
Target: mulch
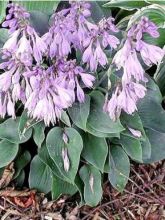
(142, 199)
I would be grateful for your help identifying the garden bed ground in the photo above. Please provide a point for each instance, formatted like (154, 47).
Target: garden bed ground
(143, 198)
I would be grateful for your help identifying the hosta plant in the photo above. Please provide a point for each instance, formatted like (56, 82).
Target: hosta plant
(78, 93)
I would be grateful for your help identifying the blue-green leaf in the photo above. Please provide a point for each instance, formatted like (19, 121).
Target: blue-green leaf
(73, 148)
(45, 157)
(95, 151)
(8, 152)
(21, 161)
(39, 133)
(126, 4)
(79, 113)
(119, 167)
(134, 122)
(40, 176)
(3, 5)
(60, 187)
(98, 120)
(132, 147)
(9, 130)
(92, 184)
(4, 36)
(157, 141)
(43, 6)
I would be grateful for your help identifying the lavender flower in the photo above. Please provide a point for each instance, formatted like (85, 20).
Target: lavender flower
(69, 75)
(58, 38)
(65, 138)
(45, 99)
(5, 80)
(150, 54)
(24, 51)
(132, 88)
(18, 53)
(98, 39)
(125, 99)
(3, 103)
(17, 17)
(99, 56)
(87, 79)
(24, 41)
(129, 96)
(135, 133)
(10, 107)
(88, 57)
(6, 105)
(80, 93)
(11, 43)
(65, 158)
(112, 106)
(143, 26)
(71, 27)
(133, 68)
(39, 47)
(47, 94)
(46, 89)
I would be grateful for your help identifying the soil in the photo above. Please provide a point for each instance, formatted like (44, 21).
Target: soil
(142, 199)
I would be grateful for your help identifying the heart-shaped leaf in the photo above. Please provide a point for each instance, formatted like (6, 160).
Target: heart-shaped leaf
(45, 157)
(60, 187)
(72, 150)
(134, 122)
(151, 112)
(39, 133)
(146, 149)
(119, 167)
(132, 147)
(92, 184)
(40, 176)
(25, 123)
(79, 113)
(95, 151)
(19, 181)
(157, 141)
(9, 130)
(65, 119)
(8, 152)
(153, 118)
(21, 161)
